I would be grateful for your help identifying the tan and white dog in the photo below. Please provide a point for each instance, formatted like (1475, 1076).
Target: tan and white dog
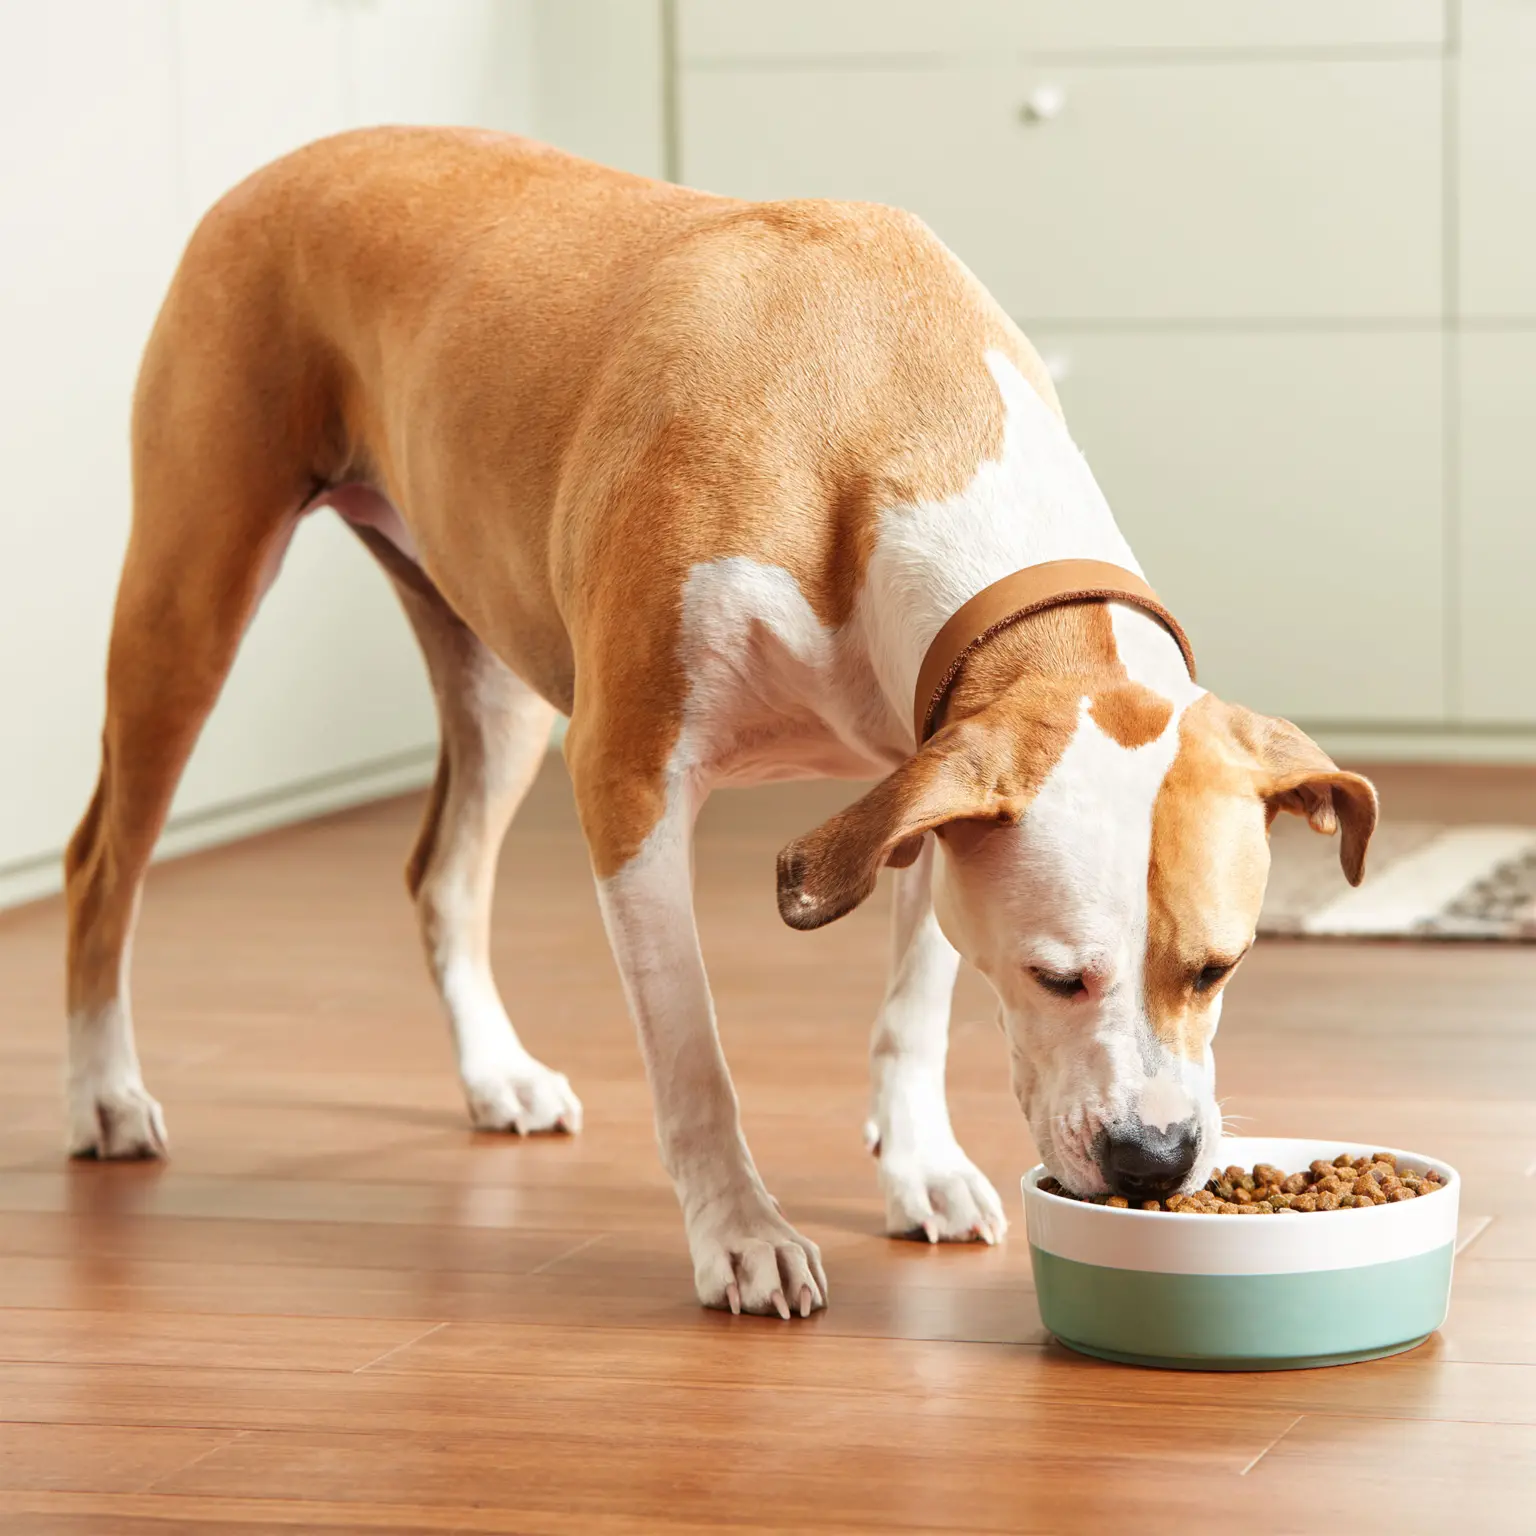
(710, 477)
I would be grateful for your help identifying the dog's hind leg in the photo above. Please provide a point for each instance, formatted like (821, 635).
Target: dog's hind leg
(204, 547)
(932, 1189)
(494, 737)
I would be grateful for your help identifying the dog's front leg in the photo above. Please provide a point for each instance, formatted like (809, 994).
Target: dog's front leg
(931, 1188)
(745, 1255)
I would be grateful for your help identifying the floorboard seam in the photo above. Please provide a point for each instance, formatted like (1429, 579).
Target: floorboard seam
(212, 1450)
(1272, 1444)
(389, 1353)
(570, 1253)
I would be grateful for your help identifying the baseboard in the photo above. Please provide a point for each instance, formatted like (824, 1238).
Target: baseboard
(1410, 744)
(33, 879)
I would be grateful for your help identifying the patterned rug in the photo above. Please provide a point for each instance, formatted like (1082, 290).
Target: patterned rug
(1423, 881)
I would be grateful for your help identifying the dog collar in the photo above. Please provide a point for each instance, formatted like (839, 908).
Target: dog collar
(1053, 584)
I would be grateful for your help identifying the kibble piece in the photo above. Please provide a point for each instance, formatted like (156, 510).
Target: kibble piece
(1296, 1184)
(1402, 1192)
(1234, 1174)
(1343, 1161)
(1151, 1205)
(1304, 1203)
(1119, 1202)
(1241, 1196)
(1329, 1186)
(1327, 1200)
(1267, 1173)
(1389, 1158)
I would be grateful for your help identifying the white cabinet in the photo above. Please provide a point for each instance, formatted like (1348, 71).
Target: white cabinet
(88, 235)
(749, 29)
(1496, 150)
(1283, 493)
(458, 62)
(255, 81)
(129, 119)
(1256, 189)
(1496, 506)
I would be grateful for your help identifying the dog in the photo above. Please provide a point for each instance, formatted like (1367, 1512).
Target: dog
(721, 481)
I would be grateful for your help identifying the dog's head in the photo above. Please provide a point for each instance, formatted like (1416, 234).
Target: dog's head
(1103, 860)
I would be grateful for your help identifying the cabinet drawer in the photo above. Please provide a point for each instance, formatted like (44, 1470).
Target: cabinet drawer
(1496, 152)
(1497, 529)
(1272, 190)
(1283, 492)
(748, 29)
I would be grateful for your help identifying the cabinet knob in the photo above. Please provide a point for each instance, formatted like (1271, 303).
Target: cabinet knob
(1043, 103)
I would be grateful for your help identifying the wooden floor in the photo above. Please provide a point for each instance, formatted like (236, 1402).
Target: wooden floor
(335, 1309)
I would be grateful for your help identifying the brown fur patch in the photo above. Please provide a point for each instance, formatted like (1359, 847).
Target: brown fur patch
(1131, 714)
(1233, 772)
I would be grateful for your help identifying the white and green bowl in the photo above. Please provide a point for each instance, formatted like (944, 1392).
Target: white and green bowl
(1232, 1293)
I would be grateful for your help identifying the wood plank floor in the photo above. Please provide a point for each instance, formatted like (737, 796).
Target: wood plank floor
(336, 1309)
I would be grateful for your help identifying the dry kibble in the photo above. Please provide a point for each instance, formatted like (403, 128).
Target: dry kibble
(1341, 1185)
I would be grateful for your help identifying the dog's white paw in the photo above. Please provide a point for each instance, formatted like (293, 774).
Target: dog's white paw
(115, 1120)
(524, 1097)
(747, 1258)
(939, 1195)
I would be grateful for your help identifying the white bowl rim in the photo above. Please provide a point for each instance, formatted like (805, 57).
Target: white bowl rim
(1417, 1161)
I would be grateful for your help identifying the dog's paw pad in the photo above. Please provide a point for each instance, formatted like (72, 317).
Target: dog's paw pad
(758, 1264)
(944, 1201)
(115, 1123)
(526, 1099)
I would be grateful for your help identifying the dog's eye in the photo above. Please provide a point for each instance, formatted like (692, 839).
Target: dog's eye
(1059, 986)
(1212, 974)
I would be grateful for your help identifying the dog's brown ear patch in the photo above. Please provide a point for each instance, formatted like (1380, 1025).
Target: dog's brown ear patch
(1297, 776)
(828, 872)
(985, 768)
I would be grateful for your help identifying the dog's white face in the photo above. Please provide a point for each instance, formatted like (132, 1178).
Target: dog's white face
(1056, 912)
(1107, 902)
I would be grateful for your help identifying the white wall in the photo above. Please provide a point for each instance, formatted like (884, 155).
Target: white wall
(122, 121)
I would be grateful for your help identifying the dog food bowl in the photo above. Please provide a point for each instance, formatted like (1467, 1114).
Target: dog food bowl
(1232, 1293)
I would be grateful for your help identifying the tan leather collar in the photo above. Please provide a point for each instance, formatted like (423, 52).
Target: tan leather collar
(1015, 597)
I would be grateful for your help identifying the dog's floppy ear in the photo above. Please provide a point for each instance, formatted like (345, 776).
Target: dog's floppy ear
(1296, 775)
(955, 777)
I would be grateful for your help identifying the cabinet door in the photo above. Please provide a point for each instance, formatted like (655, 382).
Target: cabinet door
(1497, 523)
(1150, 191)
(256, 81)
(1283, 493)
(748, 29)
(465, 62)
(88, 230)
(1496, 150)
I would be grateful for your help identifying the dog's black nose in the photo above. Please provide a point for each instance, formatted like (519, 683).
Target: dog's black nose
(1141, 1162)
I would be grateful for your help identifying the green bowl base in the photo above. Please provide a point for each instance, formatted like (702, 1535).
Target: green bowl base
(1272, 1363)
